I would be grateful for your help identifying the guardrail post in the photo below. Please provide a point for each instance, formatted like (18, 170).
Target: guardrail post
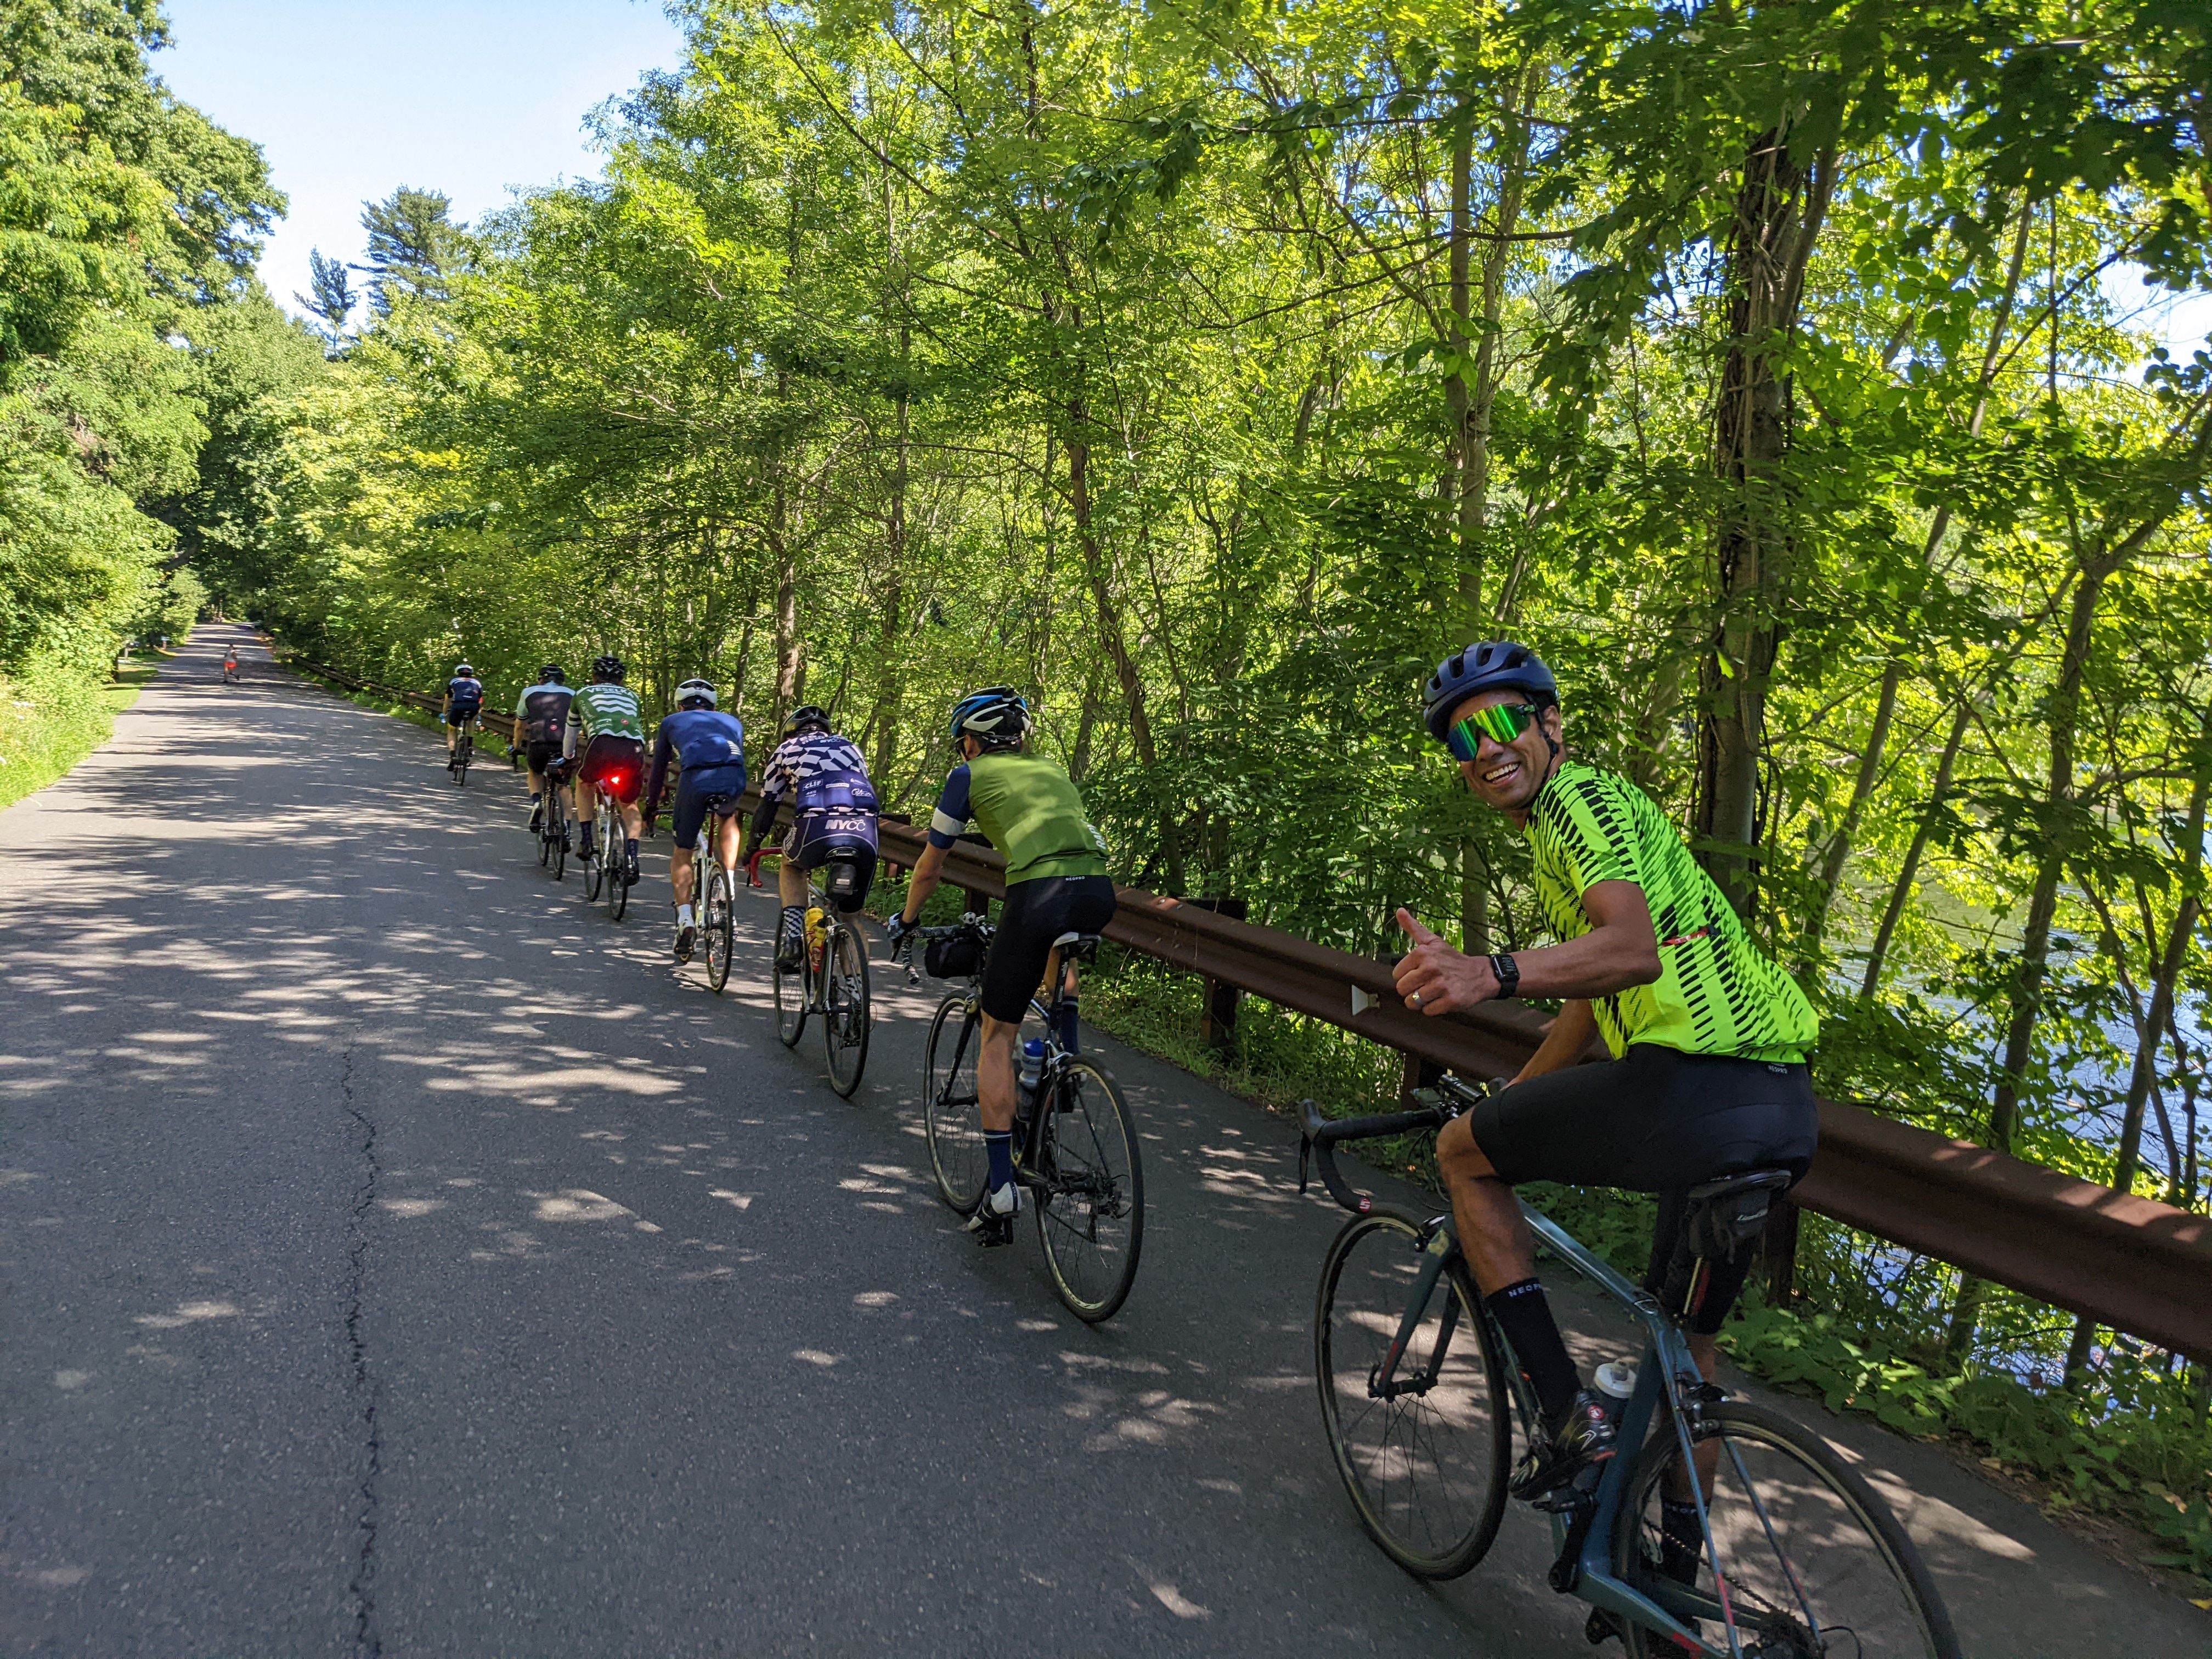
(1777, 1252)
(1217, 1019)
(1418, 1074)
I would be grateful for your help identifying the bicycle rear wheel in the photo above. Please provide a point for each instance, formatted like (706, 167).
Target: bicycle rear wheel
(556, 827)
(1813, 1562)
(618, 883)
(544, 832)
(462, 753)
(1425, 1463)
(948, 1119)
(718, 920)
(1090, 1215)
(845, 1009)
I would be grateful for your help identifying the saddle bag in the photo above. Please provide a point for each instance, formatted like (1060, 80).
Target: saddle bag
(959, 956)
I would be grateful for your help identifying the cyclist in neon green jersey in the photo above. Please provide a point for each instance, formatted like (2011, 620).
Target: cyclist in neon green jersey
(1708, 1037)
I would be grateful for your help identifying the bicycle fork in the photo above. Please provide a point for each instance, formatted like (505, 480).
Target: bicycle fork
(1382, 1381)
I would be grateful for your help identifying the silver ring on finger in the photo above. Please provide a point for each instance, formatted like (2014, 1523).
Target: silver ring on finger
(1417, 999)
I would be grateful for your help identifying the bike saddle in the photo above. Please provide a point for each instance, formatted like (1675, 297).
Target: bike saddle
(1078, 947)
(1731, 1211)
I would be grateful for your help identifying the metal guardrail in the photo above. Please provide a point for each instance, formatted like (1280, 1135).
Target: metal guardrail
(2139, 1267)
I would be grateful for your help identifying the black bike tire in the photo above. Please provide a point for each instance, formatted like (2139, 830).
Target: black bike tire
(962, 1202)
(545, 834)
(845, 943)
(618, 882)
(1846, 1483)
(1475, 1543)
(719, 921)
(1090, 1312)
(595, 868)
(794, 998)
(465, 749)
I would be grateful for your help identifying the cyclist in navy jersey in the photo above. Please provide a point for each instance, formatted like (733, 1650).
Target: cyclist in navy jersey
(541, 716)
(708, 749)
(465, 696)
(834, 815)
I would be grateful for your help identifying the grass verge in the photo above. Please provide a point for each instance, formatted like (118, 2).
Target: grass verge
(51, 717)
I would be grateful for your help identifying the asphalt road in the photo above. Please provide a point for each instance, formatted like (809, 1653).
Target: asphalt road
(401, 1259)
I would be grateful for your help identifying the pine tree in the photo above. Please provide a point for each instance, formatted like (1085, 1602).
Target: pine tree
(333, 298)
(411, 241)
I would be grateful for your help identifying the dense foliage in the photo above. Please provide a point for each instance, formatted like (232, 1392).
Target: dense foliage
(133, 341)
(1209, 368)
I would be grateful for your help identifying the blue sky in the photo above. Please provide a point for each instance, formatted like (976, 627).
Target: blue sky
(468, 96)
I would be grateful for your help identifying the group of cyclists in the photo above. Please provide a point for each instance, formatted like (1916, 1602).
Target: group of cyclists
(1708, 1037)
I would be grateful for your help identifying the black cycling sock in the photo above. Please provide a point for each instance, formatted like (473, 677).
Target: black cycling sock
(1681, 1540)
(629, 846)
(1527, 1318)
(1066, 1029)
(998, 1147)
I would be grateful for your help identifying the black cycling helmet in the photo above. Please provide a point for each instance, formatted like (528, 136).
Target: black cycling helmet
(550, 674)
(1489, 665)
(807, 717)
(694, 694)
(609, 667)
(463, 671)
(995, 717)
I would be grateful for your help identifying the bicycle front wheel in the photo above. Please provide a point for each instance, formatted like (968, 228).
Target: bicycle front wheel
(845, 1009)
(1811, 1560)
(950, 1119)
(719, 922)
(1091, 1213)
(595, 867)
(1422, 1446)
(793, 996)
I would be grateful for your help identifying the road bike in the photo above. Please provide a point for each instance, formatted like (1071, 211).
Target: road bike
(1075, 1142)
(1793, 1555)
(553, 823)
(718, 906)
(608, 870)
(831, 982)
(464, 751)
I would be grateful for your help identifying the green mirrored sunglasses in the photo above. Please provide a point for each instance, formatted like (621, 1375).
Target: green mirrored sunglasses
(1501, 723)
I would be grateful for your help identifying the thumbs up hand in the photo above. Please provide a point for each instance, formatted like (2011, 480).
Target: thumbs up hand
(1435, 979)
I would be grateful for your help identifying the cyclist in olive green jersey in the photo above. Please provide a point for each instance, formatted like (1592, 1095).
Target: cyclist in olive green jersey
(1057, 882)
(1708, 1036)
(605, 723)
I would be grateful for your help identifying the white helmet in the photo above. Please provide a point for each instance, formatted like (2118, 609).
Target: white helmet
(694, 694)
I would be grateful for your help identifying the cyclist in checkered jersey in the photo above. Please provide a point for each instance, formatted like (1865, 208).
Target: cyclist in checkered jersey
(833, 812)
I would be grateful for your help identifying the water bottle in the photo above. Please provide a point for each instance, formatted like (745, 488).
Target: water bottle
(1616, 1380)
(1032, 1068)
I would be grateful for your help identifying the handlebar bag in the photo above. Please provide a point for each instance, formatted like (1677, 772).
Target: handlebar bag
(958, 956)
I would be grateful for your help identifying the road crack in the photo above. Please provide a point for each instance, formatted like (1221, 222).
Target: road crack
(367, 1643)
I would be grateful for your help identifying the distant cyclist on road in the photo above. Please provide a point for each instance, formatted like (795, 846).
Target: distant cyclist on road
(1057, 882)
(230, 665)
(541, 716)
(708, 747)
(833, 806)
(607, 733)
(465, 696)
(1709, 1037)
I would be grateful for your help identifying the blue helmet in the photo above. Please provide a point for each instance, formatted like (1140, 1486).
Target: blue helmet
(1489, 665)
(996, 717)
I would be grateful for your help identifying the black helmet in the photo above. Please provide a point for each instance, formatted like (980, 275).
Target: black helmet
(694, 694)
(609, 667)
(996, 717)
(550, 674)
(463, 671)
(1490, 665)
(807, 717)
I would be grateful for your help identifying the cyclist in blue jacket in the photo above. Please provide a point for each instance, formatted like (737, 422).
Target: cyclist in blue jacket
(708, 748)
(465, 696)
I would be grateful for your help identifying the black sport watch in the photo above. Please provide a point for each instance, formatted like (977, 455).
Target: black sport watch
(1508, 976)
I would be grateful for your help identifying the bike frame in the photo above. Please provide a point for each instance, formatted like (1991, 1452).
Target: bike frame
(1584, 1539)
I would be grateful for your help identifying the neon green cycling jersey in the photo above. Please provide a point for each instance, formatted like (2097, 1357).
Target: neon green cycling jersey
(1716, 992)
(1028, 808)
(603, 708)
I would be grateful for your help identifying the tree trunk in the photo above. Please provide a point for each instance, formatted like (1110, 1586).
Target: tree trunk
(2042, 907)
(1901, 890)
(1768, 247)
